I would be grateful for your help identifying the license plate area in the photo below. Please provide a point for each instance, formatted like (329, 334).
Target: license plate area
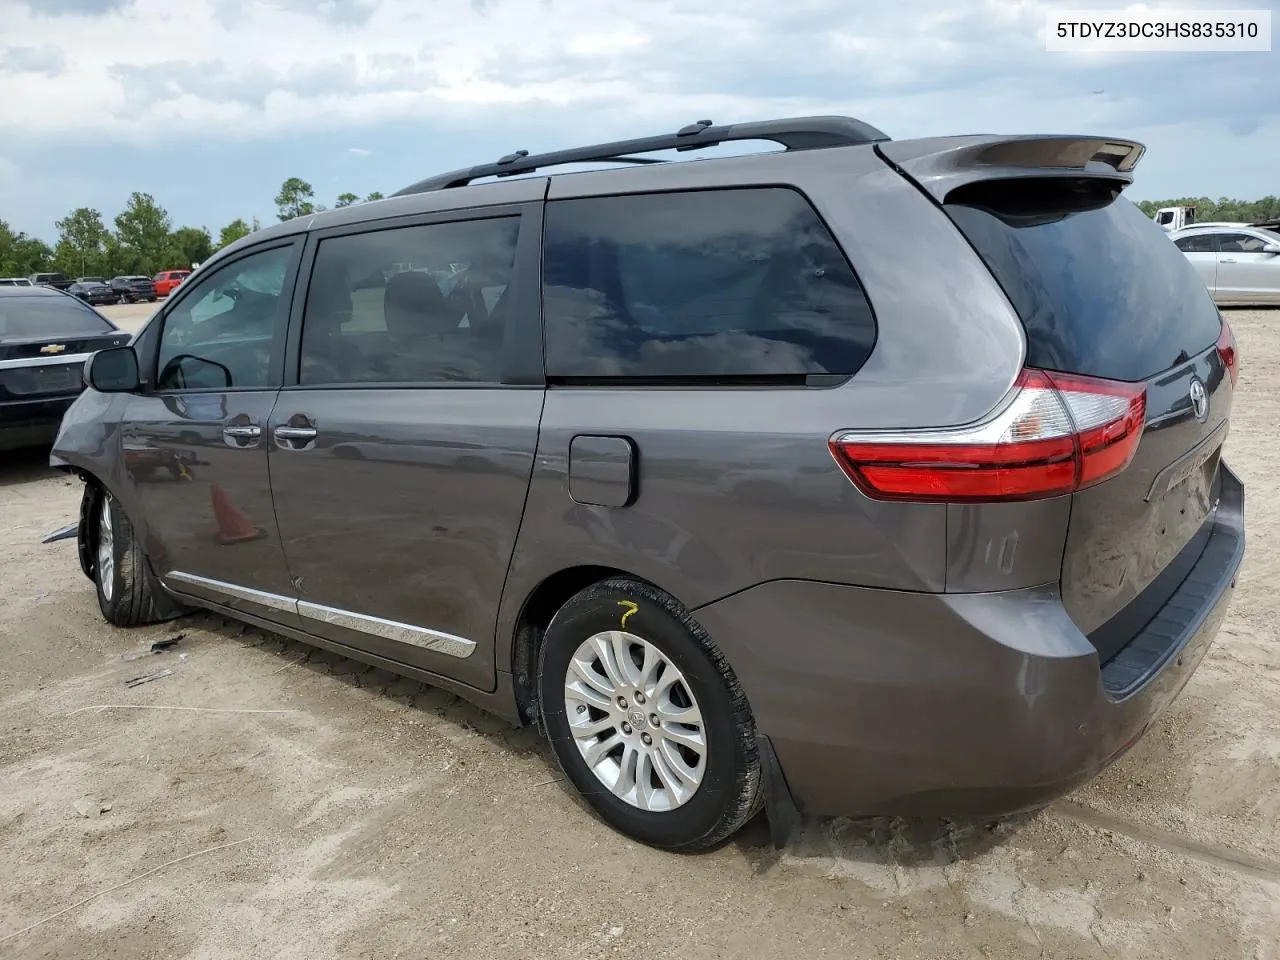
(1201, 460)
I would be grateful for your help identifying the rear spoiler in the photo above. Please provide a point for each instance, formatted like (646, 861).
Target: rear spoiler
(940, 165)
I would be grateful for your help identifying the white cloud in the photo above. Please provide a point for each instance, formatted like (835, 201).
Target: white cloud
(255, 69)
(457, 80)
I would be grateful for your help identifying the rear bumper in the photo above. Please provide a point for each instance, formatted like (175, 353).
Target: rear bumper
(937, 705)
(29, 423)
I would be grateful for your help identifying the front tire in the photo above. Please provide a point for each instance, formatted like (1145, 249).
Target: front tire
(128, 592)
(647, 719)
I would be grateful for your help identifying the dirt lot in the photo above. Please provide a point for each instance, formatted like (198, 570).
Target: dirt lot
(285, 803)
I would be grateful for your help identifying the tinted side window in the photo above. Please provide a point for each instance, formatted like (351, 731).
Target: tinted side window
(728, 284)
(422, 304)
(1239, 243)
(1197, 243)
(220, 334)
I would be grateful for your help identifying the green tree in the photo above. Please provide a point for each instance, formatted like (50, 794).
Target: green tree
(376, 195)
(82, 238)
(233, 231)
(119, 259)
(346, 200)
(1224, 208)
(188, 245)
(21, 255)
(295, 199)
(143, 229)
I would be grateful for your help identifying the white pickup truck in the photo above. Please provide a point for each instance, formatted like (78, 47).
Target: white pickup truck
(1175, 218)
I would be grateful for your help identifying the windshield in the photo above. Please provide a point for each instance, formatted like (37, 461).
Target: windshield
(30, 318)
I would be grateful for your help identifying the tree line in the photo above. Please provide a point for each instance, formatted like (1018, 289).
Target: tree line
(1222, 209)
(141, 239)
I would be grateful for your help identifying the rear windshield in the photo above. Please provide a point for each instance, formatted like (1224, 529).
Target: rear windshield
(1100, 288)
(29, 318)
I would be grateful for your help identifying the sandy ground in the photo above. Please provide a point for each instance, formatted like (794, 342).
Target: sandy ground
(360, 815)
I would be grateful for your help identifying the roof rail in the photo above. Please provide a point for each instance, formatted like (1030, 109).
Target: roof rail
(797, 133)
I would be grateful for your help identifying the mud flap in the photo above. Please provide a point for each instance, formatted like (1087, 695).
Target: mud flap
(779, 806)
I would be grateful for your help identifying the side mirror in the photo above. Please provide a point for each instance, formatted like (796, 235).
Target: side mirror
(113, 370)
(1272, 248)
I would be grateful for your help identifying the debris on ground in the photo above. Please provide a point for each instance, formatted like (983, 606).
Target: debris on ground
(147, 678)
(91, 807)
(160, 646)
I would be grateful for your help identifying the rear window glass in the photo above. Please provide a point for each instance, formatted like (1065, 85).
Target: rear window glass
(28, 318)
(1099, 287)
(726, 284)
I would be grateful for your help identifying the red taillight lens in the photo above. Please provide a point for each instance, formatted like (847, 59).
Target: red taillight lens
(1058, 433)
(1228, 352)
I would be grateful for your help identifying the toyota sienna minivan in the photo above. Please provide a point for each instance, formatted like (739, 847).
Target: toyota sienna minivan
(854, 477)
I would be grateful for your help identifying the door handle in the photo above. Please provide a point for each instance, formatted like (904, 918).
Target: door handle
(294, 438)
(241, 435)
(295, 433)
(1227, 260)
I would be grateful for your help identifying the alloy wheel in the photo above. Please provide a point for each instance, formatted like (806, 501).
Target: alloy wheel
(106, 552)
(635, 721)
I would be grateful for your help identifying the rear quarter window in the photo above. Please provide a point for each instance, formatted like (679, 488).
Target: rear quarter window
(727, 284)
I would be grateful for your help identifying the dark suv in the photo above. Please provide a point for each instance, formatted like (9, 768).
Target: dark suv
(861, 477)
(56, 281)
(133, 289)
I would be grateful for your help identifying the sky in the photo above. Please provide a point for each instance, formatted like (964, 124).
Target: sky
(209, 105)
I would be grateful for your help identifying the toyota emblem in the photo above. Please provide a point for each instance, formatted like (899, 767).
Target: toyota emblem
(1199, 399)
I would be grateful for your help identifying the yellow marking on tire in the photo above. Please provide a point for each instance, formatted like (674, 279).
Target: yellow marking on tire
(631, 608)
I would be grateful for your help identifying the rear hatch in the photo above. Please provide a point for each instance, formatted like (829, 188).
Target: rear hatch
(1103, 294)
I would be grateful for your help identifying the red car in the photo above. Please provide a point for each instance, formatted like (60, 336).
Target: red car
(167, 280)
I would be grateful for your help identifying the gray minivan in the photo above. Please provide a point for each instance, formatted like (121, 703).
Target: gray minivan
(855, 477)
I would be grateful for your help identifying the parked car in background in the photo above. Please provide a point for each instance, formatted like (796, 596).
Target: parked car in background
(56, 280)
(807, 478)
(15, 282)
(1239, 263)
(167, 280)
(94, 292)
(90, 280)
(132, 289)
(45, 338)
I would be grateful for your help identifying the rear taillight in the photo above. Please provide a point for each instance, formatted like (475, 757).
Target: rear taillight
(1059, 433)
(1228, 352)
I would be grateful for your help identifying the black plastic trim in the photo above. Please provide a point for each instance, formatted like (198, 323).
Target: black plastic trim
(797, 133)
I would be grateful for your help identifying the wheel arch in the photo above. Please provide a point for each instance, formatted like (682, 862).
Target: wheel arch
(539, 606)
(87, 530)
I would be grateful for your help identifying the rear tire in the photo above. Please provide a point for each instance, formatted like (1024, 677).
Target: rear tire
(128, 593)
(660, 744)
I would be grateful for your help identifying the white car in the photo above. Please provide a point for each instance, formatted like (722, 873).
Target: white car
(1240, 264)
